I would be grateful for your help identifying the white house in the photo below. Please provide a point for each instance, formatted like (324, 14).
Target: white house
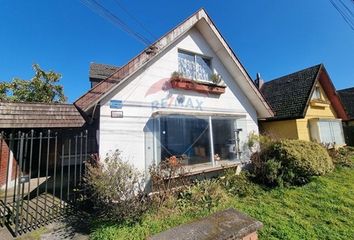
(149, 116)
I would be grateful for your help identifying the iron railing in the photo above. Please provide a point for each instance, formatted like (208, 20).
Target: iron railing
(40, 176)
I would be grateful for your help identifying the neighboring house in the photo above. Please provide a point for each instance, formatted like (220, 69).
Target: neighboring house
(99, 72)
(40, 117)
(347, 98)
(149, 116)
(306, 107)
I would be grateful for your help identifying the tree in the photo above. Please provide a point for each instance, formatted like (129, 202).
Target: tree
(43, 87)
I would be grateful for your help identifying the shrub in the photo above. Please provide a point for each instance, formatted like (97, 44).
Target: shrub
(237, 184)
(168, 178)
(205, 194)
(115, 189)
(284, 162)
(343, 156)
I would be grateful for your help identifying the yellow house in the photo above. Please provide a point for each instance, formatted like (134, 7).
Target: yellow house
(306, 107)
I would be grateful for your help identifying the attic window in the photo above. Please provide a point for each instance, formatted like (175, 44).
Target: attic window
(194, 66)
(316, 93)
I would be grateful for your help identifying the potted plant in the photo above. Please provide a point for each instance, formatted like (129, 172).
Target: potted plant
(180, 82)
(176, 75)
(215, 78)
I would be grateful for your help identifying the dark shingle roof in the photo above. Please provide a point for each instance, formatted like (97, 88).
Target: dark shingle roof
(288, 95)
(101, 71)
(347, 98)
(39, 115)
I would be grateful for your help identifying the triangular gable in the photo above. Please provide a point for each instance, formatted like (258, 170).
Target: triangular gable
(216, 41)
(327, 85)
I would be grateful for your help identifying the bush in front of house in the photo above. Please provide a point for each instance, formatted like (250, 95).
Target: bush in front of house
(238, 184)
(115, 189)
(290, 162)
(168, 178)
(343, 156)
(205, 194)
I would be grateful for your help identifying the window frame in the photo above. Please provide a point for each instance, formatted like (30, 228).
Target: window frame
(208, 58)
(319, 127)
(317, 90)
(210, 118)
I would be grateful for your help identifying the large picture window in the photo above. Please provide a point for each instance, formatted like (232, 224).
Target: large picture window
(225, 146)
(197, 139)
(194, 66)
(186, 137)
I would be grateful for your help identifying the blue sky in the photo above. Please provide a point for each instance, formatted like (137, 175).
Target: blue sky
(273, 37)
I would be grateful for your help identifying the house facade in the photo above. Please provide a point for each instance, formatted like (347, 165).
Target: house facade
(186, 96)
(306, 107)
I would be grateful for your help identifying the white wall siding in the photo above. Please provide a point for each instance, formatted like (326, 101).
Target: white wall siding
(132, 133)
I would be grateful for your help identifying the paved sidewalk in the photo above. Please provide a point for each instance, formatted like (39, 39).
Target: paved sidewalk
(60, 231)
(72, 227)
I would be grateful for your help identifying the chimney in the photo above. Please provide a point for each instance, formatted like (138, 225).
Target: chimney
(259, 81)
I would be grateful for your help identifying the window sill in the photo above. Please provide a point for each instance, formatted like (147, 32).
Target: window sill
(219, 165)
(197, 86)
(319, 103)
(203, 168)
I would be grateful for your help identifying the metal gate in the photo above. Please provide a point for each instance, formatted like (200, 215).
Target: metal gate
(40, 176)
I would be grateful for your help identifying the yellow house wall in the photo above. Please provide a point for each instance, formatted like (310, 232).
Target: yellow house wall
(314, 112)
(280, 129)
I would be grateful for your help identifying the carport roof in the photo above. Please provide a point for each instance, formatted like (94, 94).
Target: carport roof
(39, 115)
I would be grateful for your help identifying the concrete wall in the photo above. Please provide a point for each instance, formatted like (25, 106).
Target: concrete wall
(144, 94)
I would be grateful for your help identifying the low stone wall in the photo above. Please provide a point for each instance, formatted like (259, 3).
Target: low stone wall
(225, 225)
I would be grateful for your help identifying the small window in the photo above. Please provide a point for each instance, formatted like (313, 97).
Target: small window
(194, 66)
(316, 93)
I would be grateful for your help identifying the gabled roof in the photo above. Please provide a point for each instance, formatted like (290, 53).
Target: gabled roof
(101, 71)
(290, 95)
(39, 115)
(347, 98)
(207, 28)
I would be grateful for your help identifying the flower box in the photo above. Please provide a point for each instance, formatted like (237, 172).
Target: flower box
(192, 85)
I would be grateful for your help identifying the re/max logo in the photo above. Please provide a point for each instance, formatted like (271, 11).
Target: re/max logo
(179, 101)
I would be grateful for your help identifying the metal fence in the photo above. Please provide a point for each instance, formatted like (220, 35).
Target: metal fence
(40, 176)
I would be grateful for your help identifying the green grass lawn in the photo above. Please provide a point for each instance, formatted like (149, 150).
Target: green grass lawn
(322, 209)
